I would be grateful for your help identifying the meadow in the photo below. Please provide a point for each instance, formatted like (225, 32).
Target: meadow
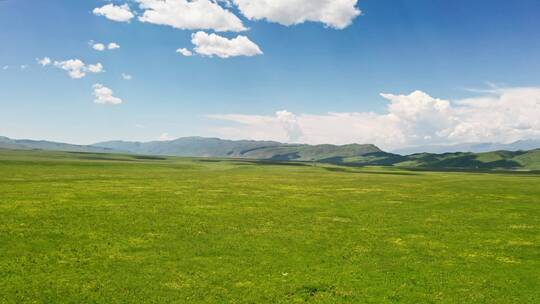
(99, 228)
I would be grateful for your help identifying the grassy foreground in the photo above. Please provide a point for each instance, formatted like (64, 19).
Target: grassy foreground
(90, 228)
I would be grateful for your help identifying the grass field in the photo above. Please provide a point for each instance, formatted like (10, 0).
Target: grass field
(90, 228)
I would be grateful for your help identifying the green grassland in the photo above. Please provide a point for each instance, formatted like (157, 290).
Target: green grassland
(99, 228)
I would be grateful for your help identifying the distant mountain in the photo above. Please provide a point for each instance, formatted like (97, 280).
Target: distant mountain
(348, 155)
(497, 160)
(322, 153)
(215, 147)
(7, 143)
(520, 145)
(26, 144)
(189, 146)
(489, 160)
(351, 155)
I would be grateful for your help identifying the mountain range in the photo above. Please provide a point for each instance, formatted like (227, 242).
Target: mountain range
(520, 145)
(215, 147)
(27, 144)
(352, 155)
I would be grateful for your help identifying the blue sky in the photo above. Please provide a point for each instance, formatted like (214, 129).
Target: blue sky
(308, 70)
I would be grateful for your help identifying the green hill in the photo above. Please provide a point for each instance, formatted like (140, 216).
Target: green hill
(322, 153)
(529, 160)
(490, 160)
(189, 146)
(215, 147)
(27, 144)
(348, 155)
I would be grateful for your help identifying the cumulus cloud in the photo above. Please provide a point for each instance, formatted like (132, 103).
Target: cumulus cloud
(337, 14)
(95, 68)
(505, 115)
(126, 76)
(420, 115)
(165, 137)
(104, 95)
(333, 128)
(289, 123)
(102, 47)
(118, 13)
(45, 61)
(215, 45)
(98, 47)
(113, 46)
(501, 115)
(184, 52)
(77, 69)
(190, 15)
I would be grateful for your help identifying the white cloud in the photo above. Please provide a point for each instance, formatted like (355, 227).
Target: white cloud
(102, 47)
(505, 115)
(5, 67)
(289, 122)
(184, 52)
(119, 13)
(113, 46)
(190, 15)
(45, 61)
(333, 13)
(216, 15)
(215, 45)
(331, 128)
(104, 95)
(165, 137)
(98, 47)
(502, 115)
(24, 66)
(126, 76)
(95, 68)
(77, 69)
(420, 115)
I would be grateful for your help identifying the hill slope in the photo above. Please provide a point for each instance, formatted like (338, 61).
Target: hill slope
(323, 153)
(520, 145)
(189, 146)
(27, 144)
(490, 160)
(215, 147)
(349, 155)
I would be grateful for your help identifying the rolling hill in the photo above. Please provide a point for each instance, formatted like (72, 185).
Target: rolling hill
(321, 153)
(189, 146)
(215, 147)
(520, 145)
(489, 160)
(348, 155)
(27, 144)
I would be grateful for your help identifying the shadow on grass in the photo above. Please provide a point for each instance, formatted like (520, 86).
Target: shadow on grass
(466, 170)
(104, 158)
(148, 157)
(244, 162)
(110, 156)
(346, 170)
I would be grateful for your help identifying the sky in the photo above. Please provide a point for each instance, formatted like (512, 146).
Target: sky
(395, 73)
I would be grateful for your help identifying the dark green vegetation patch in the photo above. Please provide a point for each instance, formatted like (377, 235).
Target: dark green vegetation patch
(98, 228)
